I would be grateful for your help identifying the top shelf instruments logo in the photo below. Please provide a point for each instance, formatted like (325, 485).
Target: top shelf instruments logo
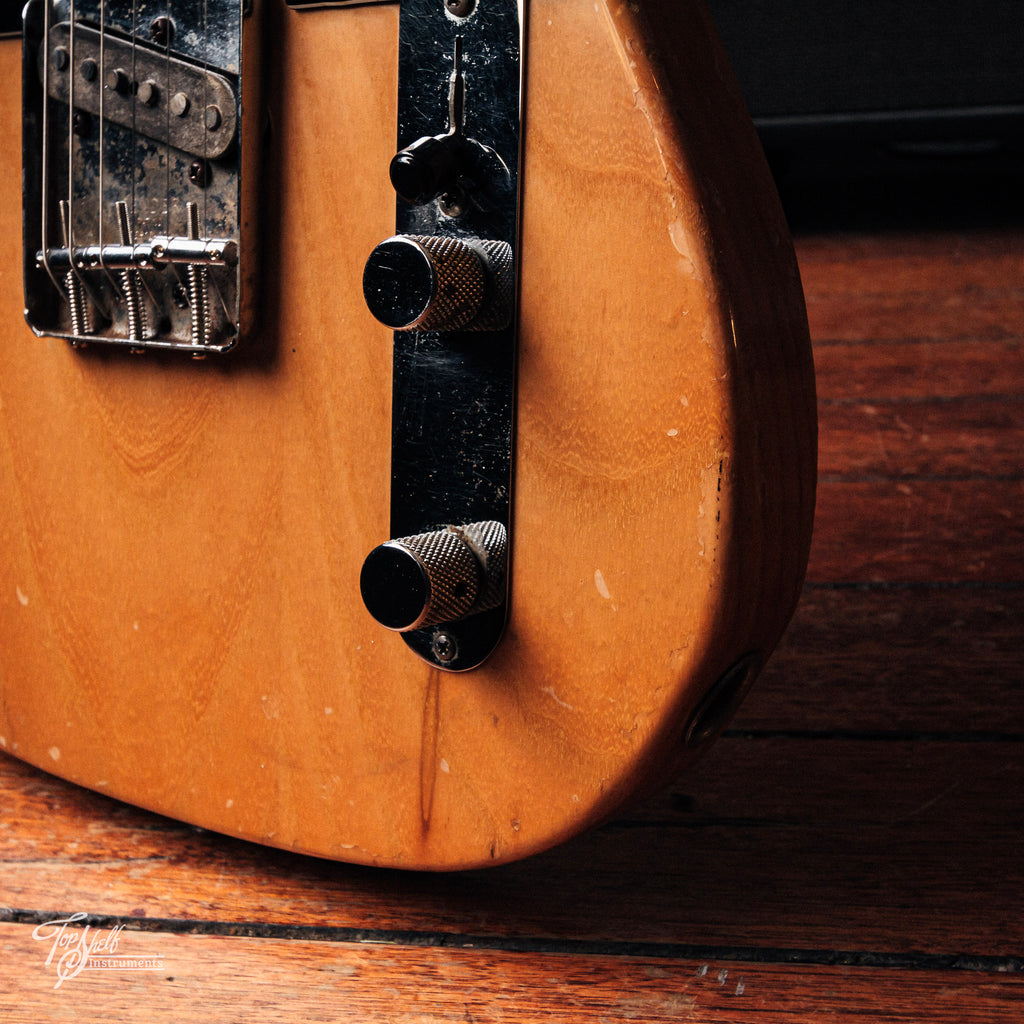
(73, 948)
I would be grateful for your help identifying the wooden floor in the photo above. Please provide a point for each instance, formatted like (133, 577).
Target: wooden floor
(853, 849)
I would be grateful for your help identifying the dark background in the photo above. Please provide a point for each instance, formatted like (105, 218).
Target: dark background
(899, 112)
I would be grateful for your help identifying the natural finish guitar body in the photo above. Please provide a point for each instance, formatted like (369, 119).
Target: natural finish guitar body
(180, 619)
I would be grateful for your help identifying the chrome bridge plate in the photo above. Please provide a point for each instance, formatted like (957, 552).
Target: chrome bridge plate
(132, 151)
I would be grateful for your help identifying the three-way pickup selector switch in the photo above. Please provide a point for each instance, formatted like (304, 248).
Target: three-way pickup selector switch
(440, 283)
(436, 577)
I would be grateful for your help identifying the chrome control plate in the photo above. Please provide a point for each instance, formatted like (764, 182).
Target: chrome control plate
(460, 93)
(454, 390)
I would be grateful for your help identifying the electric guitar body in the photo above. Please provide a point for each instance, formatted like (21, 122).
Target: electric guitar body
(181, 620)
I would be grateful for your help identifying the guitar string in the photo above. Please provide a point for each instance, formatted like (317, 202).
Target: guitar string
(74, 283)
(136, 169)
(147, 139)
(101, 144)
(103, 137)
(44, 214)
(102, 140)
(70, 240)
(134, 151)
(204, 279)
(206, 103)
(211, 279)
(166, 99)
(170, 214)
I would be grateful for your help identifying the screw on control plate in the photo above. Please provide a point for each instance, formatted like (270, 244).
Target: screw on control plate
(444, 647)
(452, 204)
(460, 8)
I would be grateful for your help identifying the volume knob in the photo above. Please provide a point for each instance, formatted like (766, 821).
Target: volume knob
(435, 577)
(439, 283)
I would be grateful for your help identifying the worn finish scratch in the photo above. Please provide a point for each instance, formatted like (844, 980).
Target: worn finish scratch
(428, 746)
(554, 696)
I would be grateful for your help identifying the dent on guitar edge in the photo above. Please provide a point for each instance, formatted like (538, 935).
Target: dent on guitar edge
(631, 35)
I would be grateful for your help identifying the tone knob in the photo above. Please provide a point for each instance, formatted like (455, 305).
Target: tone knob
(439, 283)
(436, 577)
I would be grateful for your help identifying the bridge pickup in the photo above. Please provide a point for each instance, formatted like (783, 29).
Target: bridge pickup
(154, 93)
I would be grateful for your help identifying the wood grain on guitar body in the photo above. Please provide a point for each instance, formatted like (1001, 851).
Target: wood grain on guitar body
(623, 457)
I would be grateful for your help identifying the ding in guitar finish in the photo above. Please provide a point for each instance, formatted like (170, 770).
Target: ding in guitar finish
(134, 203)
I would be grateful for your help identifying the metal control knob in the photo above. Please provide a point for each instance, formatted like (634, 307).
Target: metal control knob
(436, 577)
(439, 283)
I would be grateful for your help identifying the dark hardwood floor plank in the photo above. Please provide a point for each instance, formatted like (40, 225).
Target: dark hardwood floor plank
(965, 316)
(773, 842)
(953, 285)
(918, 531)
(920, 370)
(869, 263)
(954, 437)
(913, 660)
(304, 981)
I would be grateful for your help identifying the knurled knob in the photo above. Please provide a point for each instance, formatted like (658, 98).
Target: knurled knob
(435, 577)
(439, 283)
